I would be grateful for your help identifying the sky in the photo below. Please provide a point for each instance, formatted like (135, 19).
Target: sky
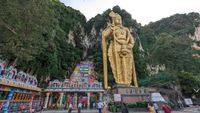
(144, 11)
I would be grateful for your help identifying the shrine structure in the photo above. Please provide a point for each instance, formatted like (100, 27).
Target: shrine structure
(81, 87)
(18, 91)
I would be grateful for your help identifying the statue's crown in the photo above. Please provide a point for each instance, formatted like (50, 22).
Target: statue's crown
(114, 15)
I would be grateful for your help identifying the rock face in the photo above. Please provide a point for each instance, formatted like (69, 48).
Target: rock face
(195, 46)
(140, 44)
(196, 36)
(138, 39)
(154, 69)
(71, 38)
(89, 40)
(92, 38)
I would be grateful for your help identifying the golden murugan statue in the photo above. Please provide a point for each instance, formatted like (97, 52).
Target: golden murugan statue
(119, 52)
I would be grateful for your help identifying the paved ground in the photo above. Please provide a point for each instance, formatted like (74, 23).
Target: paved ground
(186, 110)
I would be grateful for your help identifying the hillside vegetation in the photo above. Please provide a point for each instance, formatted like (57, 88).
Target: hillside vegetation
(46, 38)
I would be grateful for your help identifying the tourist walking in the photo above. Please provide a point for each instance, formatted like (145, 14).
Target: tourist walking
(124, 108)
(166, 108)
(105, 106)
(155, 105)
(79, 107)
(151, 108)
(94, 105)
(99, 106)
(70, 108)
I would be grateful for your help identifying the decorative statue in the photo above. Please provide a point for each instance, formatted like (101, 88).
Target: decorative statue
(119, 52)
(1, 68)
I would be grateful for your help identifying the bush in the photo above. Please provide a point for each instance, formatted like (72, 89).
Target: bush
(113, 106)
(143, 104)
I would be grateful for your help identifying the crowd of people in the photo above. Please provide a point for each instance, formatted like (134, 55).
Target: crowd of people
(102, 107)
(154, 108)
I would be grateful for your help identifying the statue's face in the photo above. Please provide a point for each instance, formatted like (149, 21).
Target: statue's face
(118, 21)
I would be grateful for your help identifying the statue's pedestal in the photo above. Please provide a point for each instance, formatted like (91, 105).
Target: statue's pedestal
(131, 94)
(121, 89)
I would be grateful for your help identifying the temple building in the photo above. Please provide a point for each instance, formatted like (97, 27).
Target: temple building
(18, 91)
(81, 87)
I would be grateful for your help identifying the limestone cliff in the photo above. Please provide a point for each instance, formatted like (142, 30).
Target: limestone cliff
(196, 36)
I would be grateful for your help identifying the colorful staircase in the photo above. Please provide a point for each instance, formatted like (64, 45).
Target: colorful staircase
(84, 72)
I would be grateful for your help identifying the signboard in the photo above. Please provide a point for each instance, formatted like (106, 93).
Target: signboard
(117, 98)
(188, 101)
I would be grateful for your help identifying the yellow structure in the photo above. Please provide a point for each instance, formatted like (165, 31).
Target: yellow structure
(119, 52)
